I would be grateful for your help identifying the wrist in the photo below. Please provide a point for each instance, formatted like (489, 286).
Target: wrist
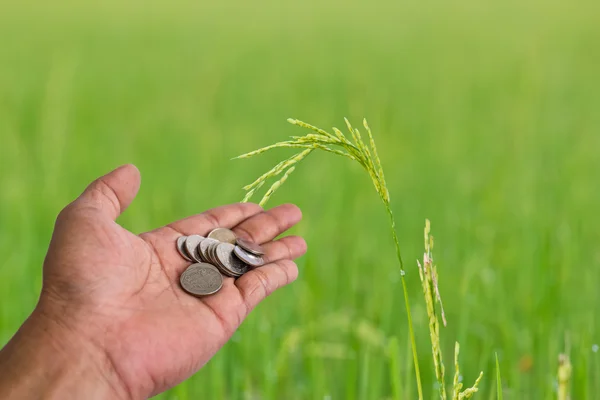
(47, 359)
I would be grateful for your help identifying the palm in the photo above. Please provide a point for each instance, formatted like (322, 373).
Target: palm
(154, 334)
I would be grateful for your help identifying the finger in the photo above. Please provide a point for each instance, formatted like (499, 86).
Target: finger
(226, 216)
(163, 239)
(226, 303)
(267, 225)
(289, 247)
(280, 270)
(112, 193)
(259, 283)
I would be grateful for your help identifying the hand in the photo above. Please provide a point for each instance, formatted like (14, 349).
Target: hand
(111, 303)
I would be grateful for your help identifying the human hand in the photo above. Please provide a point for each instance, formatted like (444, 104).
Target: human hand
(111, 304)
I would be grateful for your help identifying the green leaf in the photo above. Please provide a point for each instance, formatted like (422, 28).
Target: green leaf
(498, 379)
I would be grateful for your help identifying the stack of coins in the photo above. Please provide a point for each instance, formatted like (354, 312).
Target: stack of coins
(220, 254)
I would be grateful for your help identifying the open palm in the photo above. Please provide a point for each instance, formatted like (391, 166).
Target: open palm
(121, 291)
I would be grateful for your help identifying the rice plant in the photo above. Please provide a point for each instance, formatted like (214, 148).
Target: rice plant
(431, 292)
(565, 370)
(356, 150)
(367, 156)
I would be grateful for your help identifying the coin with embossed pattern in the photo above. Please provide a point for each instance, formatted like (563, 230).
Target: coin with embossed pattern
(201, 279)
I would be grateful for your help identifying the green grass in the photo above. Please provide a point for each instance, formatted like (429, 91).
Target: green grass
(486, 119)
(498, 379)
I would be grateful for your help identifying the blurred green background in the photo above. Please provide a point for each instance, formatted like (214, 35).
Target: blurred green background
(487, 116)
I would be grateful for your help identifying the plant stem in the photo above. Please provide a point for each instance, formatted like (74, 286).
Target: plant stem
(406, 302)
(498, 379)
(360, 153)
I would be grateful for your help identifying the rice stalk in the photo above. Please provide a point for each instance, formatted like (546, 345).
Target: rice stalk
(311, 127)
(279, 168)
(456, 384)
(426, 273)
(250, 192)
(468, 393)
(375, 154)
(429, 281)
(276, 186)
(565, 370)
(289, 144)
(368, 157)
(313, 138)
(337, 143)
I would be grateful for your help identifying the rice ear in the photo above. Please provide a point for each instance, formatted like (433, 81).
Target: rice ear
(337, 143)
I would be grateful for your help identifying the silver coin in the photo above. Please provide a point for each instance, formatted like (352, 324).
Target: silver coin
(223, 235)
(181, 247)
(251, 259)
(201, 279)
(228, 260)
(250, 246)
(198, 255)
(217, 263)
(191, 243)
(203, 248)
(211, 252)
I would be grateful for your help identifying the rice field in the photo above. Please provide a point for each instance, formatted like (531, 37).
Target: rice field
(487, 122)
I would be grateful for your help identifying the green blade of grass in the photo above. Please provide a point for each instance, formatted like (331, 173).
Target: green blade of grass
(393, 355)
(498, 379)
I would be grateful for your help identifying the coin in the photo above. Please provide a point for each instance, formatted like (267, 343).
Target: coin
(223, 235)
(198, 255)
(251, 259)
(217, 263)
(213, 258)
(224, 253)
(191, 243)
(250, 246)
(201, 279)
(181, 247)
(211, 252)
(203, 248)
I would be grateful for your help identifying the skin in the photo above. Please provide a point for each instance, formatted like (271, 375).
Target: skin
(112, 321)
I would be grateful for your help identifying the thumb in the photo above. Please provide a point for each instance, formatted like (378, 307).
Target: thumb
(113, 192)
